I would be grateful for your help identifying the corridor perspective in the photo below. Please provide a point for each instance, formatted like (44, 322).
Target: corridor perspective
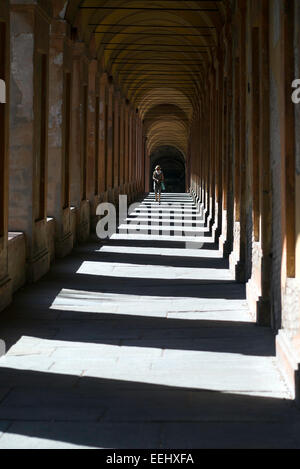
(180, 328)
(142, 341)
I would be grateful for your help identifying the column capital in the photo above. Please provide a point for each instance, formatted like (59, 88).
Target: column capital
(123, 101)
(104, 78)
(118, 94)
(59, 8)
(78, 48)
(43, 7)
(111, 85)
(93, 65)
(60, 29)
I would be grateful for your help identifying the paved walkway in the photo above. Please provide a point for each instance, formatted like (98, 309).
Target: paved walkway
(143, 341)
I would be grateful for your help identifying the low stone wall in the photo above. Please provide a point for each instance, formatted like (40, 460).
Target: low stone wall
(51, 238)
(17, 260)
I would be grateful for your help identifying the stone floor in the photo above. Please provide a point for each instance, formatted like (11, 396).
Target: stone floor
(142, 341)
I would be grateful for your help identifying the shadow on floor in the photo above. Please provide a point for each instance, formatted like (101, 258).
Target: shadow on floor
(152, 259)
(107, 413)
(96, 411)
(31, 314)
(144, 332)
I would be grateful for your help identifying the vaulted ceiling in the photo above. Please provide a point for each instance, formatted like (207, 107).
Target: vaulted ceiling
(157, 52)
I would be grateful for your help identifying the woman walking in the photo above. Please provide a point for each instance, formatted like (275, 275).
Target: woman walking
(158, 178)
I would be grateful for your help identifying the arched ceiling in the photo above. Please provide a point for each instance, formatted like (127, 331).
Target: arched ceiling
(157, 52)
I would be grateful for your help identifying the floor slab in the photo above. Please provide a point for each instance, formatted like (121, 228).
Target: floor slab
(141, 341)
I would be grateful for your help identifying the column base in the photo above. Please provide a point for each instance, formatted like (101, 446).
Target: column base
(5, 292)
(217, 234)
(38, 266)
(123, 189)
(17, 260)
(253, 289)
(263, 308)
(110, 196)
(93, 208)
(73, 223)
(116, 193)
(83, 227)
(50, 231)
(240, 272)
(297, 386)
(64, 245)
(289, 364)
(227, 249)
(235, 254)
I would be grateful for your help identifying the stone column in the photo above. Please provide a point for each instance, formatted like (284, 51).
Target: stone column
(141, 158)
(76, 123)
(234, 256)
(297, 145)
(102, 136)
(5, 283)
(138, 156)
(228, 245)
(144, 178)
(296, 338)
(212, 147)
(92, 113)
(60, 70)
(219, 138)
(122, 145)
(29, 135)
(264, 303)
(97, 124)
(147, 168)
(201, 157)
(286, 311)
(242, 267)
(130, 151)
(206, 150)
(116, 136)
(133, 155)
(126, 148)
(110, 132)
(79, 140)
(134, 166)
(298, 224)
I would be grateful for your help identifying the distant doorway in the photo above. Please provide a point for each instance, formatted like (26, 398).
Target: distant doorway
(172, 163)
